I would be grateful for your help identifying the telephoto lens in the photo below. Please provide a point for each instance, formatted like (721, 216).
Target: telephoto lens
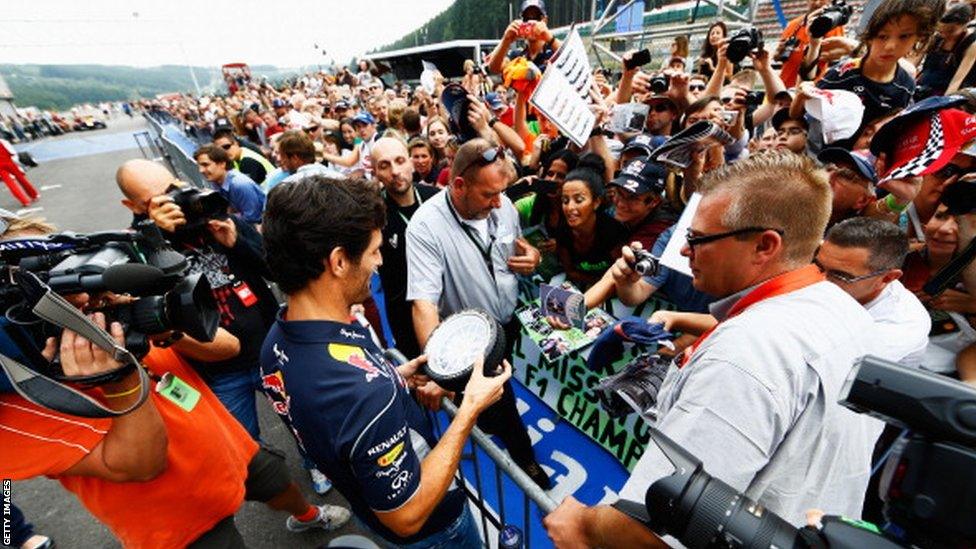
(702, 511)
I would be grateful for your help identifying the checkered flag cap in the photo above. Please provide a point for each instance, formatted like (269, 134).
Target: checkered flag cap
(930, 143)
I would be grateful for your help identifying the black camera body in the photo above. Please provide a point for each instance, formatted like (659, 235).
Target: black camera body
(199, 206)
(645, 264)
(138, 263)
(789, 46)
(755, 98)
(836, 14)
(743, 42)
(660, 84)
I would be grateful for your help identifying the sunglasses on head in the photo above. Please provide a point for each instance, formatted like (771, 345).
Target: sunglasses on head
(484, 159)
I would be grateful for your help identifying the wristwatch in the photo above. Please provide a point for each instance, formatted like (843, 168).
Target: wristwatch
(494, 120)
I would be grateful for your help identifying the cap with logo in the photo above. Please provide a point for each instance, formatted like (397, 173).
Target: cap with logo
(644, 143)
(278, 103)
(640, 176)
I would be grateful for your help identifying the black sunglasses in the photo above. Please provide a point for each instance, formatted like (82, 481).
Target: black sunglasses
(661, 107)
(696, 87)
(699, 239)
(485, 158)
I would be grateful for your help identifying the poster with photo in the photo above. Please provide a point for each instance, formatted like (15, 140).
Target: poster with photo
(554, 343)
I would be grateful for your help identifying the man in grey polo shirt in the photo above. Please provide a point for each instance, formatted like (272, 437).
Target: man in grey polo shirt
(464, 251)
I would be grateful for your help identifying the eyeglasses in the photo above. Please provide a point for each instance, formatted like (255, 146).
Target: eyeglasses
(696, 87)
(790, 131)
(846, 278)
(699, 239)
(483, 159)
(661, 107)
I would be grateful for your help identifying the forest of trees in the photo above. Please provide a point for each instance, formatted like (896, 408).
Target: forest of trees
(487, 19)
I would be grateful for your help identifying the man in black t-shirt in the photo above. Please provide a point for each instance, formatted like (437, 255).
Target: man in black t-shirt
(393, 168)
(229, 253)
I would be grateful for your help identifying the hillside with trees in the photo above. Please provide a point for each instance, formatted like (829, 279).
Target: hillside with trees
(62, 86)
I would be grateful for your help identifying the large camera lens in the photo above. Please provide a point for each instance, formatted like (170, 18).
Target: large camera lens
(702, 511)
(832, 17)
(742, 42)
(707, 512)
(189, 308)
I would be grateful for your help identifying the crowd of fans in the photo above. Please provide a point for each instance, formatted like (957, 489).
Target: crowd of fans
(809, 248)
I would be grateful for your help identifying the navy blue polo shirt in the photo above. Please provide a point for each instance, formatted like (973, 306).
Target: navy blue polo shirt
(351, 411)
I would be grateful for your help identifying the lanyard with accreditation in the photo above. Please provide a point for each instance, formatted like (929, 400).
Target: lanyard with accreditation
(776, 286)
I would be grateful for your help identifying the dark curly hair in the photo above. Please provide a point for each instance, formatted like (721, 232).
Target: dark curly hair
(925, 12)
(305, 220)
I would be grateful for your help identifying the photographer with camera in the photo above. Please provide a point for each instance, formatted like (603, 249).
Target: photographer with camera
(755, 396)
(795, 39)
(228, 252)
(178, 457)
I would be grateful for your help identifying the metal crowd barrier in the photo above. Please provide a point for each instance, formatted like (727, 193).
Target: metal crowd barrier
(166, 130)
(493, 521)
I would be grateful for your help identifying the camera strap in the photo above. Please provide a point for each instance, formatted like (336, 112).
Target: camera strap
(49, 393)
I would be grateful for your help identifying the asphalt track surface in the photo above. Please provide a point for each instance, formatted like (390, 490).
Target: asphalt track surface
(76, 178)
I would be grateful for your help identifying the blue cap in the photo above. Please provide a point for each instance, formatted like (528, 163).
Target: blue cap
(363, 117)
(641, 176)
(278, 102)
(494, 101)
(645, 143)
(861, 162)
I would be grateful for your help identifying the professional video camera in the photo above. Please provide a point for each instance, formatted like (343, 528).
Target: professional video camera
(836, 14)
(928, 483)
(742, 42)
(139, 263)
(199, 206)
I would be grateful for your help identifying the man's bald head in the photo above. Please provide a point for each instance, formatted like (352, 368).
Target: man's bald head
(140, 180)
(392, 166)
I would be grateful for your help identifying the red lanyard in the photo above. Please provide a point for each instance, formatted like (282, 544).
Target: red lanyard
(782, 284)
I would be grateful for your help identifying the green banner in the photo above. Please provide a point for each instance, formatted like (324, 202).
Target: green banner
(566, 385)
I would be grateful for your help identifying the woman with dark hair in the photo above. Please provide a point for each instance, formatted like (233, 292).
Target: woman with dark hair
(540, 213)
(425, 168)
(348, 134)
(589, 240)
(708, 59)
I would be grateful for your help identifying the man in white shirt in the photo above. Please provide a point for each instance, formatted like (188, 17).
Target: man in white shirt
(755, 398)
(863, 257)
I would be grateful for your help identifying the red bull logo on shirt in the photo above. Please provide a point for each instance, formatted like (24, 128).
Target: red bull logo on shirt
(355, 356)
